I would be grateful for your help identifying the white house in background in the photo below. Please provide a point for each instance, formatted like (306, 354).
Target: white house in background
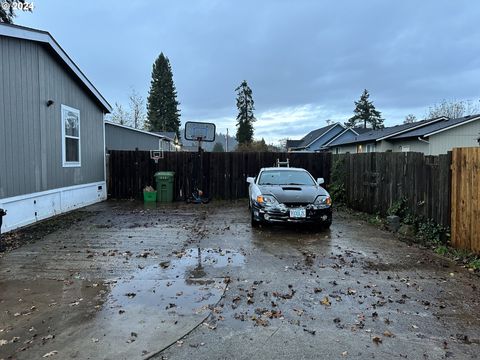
(431, 137)
(52, 143)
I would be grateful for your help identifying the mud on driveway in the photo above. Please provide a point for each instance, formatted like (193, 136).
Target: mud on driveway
(178, 281)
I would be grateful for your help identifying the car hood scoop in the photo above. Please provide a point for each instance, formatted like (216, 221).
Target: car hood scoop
(291, 188)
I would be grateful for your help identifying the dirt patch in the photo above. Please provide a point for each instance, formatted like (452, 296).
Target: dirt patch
(15, 239)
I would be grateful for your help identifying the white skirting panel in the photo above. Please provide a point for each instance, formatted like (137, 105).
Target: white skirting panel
(26, 209)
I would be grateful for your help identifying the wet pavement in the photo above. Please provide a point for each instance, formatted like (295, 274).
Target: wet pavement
(195, 281)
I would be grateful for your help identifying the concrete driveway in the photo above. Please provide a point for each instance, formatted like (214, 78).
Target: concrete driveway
(182, 282)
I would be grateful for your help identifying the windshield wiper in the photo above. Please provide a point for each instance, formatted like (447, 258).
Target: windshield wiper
(294, 184)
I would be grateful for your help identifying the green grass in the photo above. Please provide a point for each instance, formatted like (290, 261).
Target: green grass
(474, 264)
(442, 250)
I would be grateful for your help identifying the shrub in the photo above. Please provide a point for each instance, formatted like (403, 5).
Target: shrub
(337, 180)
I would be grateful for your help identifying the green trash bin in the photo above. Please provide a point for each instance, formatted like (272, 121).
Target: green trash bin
(164, 180)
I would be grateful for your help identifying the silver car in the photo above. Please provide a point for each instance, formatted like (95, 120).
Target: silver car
(288, 195)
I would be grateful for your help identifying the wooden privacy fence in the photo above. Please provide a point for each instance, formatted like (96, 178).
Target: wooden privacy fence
(223, 175)
(466, 198)
(375, 181)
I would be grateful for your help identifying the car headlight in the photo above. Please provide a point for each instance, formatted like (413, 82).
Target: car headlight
(266, 200)
(323, 200)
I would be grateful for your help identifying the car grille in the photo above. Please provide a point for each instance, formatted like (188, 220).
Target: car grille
(293, 205)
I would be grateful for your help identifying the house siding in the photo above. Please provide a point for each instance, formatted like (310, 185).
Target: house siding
(31, 133)
(383, 146)
(118, 138)
(352, 149)
(461, 136)
(415, 145)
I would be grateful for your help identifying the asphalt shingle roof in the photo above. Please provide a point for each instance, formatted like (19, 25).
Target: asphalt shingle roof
(440, 125)
(312, 136)
(373, 135)
(293, 143)
(315, 134)
(168, 134)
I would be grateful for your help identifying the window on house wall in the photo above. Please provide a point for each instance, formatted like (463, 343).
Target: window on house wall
(370, 148)
(405, 148)
(359, 148)
(71, 137)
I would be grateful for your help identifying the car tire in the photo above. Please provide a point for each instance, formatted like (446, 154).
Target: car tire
(255, 223)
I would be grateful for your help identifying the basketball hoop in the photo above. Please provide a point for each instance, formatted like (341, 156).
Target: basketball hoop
(199, 131)
(156, 155)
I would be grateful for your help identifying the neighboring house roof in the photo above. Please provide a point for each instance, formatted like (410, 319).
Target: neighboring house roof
(172, 135)
(385, 133)
(138, 130)
(293, 143)
(360, 130)
(437, 127)
(352, 130)
(312, 136)
(44, 37)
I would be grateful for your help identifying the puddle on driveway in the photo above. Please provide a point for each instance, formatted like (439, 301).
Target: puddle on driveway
(184, 284)
(127, 318)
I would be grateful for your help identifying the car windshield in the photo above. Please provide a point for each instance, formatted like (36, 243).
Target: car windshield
(285, 177)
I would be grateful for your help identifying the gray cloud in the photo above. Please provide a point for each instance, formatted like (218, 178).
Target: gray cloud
(318, 54)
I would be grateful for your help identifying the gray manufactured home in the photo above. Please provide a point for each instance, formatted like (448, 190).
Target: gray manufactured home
(52, 150)
(121, 137)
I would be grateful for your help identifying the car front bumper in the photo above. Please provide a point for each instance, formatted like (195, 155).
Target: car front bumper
(281, 214)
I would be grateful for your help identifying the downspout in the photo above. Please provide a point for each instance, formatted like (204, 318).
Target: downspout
(423, 140)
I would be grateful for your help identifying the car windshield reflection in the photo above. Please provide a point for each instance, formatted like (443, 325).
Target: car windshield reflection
(286, 177)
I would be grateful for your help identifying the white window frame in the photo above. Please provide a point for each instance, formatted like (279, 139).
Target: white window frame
(64, 138)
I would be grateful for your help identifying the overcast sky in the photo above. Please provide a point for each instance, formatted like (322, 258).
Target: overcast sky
(306, 61)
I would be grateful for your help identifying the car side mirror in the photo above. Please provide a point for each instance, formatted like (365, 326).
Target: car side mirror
(320, 181)
(250, 180)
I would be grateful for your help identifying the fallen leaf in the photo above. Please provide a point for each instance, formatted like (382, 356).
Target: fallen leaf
(311, 332)
(325, 301)
(377, 340)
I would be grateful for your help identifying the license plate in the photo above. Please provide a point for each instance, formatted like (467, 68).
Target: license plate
(298, 213)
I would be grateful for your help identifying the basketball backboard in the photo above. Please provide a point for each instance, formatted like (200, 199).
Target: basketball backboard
(156, 155)
(199, 131)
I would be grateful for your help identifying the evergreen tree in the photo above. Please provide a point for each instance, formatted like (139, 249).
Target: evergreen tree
(245, 117)
(365, 113)
(7, 10)
(218, 147)
(162, 104)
